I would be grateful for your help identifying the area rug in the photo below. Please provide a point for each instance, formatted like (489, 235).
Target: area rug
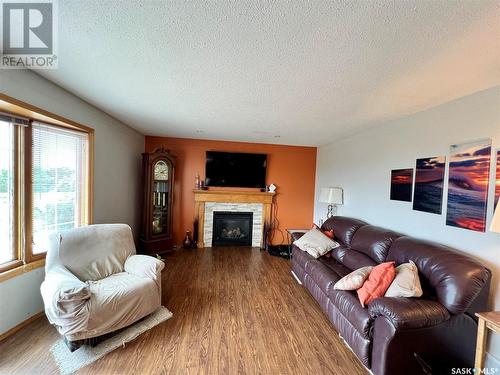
(68, 362)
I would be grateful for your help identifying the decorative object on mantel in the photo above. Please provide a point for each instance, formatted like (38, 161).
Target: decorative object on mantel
(495, 221)
(197, 184)
(468, 184)
(401, 184)
(429, 180)
(188, 242)
(497, 179)
(333, 196)
(158, 176)
(271, 188)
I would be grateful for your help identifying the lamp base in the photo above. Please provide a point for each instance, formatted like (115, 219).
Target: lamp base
(332, 210)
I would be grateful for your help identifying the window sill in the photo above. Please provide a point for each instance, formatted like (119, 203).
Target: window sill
(21, 269)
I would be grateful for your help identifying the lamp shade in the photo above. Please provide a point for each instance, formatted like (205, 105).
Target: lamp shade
(495, 222)
(331, 195)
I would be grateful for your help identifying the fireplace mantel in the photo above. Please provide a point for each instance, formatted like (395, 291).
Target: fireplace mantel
(230, 196)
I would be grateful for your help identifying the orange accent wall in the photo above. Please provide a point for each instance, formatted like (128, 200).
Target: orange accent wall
(291, 168)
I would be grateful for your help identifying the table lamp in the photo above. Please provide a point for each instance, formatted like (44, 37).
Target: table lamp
(495, 221)
(333, 196)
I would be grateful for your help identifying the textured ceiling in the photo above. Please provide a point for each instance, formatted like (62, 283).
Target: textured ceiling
(298, 72)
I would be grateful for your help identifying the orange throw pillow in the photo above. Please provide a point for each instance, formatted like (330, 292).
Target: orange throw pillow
(377, 283)
(328, 233)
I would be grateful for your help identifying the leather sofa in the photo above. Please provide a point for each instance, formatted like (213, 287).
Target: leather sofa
(431, 334)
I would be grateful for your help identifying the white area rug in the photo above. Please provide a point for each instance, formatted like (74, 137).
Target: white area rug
(68, 362)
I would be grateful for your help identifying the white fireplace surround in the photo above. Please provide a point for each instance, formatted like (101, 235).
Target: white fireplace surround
(257, 224)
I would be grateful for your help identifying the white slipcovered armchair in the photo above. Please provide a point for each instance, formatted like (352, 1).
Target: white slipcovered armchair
(96, 284)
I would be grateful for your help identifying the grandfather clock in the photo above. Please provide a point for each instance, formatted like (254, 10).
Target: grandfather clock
(158, 177)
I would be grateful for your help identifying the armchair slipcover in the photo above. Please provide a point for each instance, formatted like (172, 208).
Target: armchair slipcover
(95, 283)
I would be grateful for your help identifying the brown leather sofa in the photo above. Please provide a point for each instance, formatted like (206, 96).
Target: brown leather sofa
(431, 334)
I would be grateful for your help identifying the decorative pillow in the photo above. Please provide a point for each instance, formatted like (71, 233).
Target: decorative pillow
(406, 283)
(328, 233)
(354, 280)
(377, 283)
(315, 243)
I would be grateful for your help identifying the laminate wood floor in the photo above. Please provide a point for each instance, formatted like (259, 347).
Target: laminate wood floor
(236, 310)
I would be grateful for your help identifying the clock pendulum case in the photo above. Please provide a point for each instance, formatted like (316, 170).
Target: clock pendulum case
(158, 198)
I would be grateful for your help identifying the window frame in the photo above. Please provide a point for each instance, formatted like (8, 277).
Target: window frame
(23, 192)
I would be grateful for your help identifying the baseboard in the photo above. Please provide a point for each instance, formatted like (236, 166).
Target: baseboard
(21, 325)
(296, 278)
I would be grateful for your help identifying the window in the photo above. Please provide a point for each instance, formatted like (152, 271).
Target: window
(7, 196)
(45, 183)
(59, 174)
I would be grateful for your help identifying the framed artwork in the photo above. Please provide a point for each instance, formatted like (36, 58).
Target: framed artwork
(497, 179)
(429, 180)
(468, 182)
(401, 184)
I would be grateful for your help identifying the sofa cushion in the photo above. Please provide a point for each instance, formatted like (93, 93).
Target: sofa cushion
(343, 228)
(353, 259)
(118, 301)
(455, 279)
(335, 266)
(373, 241)
(322, 275)
(300, 257)
(348, 304)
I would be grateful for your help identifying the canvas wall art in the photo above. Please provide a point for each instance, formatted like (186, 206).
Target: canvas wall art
(468, 185)
(429, 179)
(497, 180)
(401, 184)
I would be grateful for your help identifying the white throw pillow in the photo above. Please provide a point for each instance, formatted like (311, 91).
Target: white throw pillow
(315, 243)
(406, 283)
(354, 280)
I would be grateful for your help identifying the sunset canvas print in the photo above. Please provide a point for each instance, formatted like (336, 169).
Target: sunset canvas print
(497, 182)
(468, 185)
(401, 184)
(429, 178)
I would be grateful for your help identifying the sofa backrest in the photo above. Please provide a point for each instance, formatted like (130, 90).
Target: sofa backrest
(455, 279)
(92, 252)
(343, 228)
(374, 242)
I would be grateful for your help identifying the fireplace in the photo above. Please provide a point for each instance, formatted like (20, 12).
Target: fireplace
(232, 228)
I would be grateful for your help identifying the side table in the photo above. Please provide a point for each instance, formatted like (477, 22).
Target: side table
(487, 320)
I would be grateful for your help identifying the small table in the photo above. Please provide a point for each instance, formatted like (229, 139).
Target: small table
(487, 320)
(290, 238)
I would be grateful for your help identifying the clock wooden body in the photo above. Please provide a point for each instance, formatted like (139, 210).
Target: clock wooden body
(158, 197)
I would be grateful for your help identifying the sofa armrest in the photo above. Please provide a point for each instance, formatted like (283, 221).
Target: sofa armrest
(64, 295)
(144, 266)
(409, 312)
(296, 235)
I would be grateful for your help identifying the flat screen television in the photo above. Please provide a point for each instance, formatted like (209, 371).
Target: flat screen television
(235, 169)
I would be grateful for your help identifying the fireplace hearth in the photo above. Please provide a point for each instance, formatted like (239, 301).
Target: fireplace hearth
(232, 228)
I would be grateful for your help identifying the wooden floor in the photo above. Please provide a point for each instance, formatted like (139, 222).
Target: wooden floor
(236, 310)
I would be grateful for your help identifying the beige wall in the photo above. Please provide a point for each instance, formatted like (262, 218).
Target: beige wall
(117, 171)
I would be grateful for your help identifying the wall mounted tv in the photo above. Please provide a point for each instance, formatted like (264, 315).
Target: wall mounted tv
(235, 169)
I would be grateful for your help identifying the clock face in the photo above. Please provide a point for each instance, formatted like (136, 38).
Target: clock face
(161, 170)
